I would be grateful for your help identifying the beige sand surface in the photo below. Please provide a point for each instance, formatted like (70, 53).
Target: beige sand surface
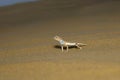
(29, 52)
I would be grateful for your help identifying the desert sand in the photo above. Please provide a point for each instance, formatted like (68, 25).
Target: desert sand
(29, 52)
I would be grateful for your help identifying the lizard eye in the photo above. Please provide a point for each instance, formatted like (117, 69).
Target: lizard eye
(56, 37)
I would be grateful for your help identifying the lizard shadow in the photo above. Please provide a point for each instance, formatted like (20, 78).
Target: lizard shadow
(70, 47)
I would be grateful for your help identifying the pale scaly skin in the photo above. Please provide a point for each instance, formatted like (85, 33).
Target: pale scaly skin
(67, 44)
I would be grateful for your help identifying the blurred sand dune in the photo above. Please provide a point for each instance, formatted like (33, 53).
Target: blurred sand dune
(28, 51)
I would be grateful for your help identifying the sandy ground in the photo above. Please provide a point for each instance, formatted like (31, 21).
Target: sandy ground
(29, 52)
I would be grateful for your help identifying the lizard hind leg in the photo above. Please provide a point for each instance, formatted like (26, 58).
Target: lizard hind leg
(79, 47)
(77, 44)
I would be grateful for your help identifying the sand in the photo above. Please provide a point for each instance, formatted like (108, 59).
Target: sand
(29, 52)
